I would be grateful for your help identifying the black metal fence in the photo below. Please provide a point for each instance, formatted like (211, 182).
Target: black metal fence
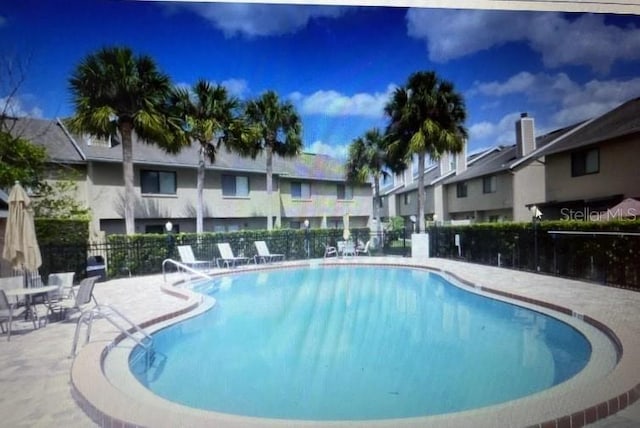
(607, 258)
(610, 258)
(144, 254)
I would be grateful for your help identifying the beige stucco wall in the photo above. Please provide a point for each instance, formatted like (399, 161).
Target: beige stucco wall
(528, 188)
(476, 200)
(407, 210)
(324, 201)
(106, 200)
(107, 195)
(619, 173)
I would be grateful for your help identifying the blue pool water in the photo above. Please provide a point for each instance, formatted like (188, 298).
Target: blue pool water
(356, 343)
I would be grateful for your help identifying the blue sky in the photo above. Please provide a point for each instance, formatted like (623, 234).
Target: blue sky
(338, 65)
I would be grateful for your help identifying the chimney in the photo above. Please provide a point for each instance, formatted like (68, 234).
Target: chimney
(525, 135)
(461, 159)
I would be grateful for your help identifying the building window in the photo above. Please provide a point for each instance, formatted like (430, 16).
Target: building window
(160, 228)
(461, 190)
(345, 193)
(489, 184)
(300, 190)
(585, 162)
(158, 182)
(235, 185)
(407, 198)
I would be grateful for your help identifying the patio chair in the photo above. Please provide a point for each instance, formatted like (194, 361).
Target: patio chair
(348, 248)
(226, 256)
(330, 251)
(363, 250)
(65, 281)
(83, 297)
(8, 312)
(187, 258)
(10, 283)
(264, 254)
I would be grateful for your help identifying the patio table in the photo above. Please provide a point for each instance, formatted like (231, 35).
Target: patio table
(29, 293)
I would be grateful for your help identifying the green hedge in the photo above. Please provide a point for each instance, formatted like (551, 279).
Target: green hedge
(144, 253)
(63, 245)
(61, 231)
(602, 258)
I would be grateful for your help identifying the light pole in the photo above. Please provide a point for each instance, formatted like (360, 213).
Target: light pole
(435, 232)
(536, 215)
(169, 228)
(306, 237)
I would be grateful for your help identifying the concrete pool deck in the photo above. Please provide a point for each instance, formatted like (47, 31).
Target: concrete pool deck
(35, 364)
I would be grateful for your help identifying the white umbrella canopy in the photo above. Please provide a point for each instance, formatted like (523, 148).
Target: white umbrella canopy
(346, 234)
(20, 243)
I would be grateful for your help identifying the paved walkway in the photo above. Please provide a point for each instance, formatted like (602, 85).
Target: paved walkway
(35, 364)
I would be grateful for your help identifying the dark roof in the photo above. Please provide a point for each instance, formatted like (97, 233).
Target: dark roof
(506, 157)
(430, 175)
(64, 147)
(621, 121)
(47, 133)
(495, 162)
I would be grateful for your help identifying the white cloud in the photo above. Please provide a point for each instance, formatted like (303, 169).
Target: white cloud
(502, 132)
(481, 130)
(262, 19)
(567, 101)
(334, 103)
(15, 107)
(540, 87)
(339, 151)
(451, 34)
(586, 40)
(236, 87)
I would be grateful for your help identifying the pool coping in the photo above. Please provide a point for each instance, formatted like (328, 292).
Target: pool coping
(108, 406)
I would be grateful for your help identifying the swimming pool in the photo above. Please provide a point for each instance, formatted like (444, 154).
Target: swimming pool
(357, 343)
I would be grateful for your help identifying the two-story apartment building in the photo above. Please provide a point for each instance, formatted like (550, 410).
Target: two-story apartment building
(505, 183)
(594, 168)
(496, 184)
(307, 187)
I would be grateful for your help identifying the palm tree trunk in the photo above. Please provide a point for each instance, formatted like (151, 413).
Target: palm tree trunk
(126, 129)
(269, 150)
(200, 192)
(421, 192)
(376, 201)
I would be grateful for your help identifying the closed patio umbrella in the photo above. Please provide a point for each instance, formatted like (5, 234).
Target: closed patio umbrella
(20, 244)
(346, 234)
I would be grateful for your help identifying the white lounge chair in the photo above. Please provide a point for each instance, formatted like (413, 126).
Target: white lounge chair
(188, 259)
(227, 258)
(364, 250)
(264, 254)
(330, 251)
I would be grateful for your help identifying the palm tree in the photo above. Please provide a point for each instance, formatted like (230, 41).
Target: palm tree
(207, 115)
(367, 159)
(278, 130)
(426, 117)
(115, 92)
